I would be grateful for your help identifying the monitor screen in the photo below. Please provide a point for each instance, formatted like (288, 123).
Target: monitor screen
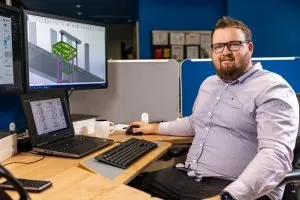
(11, 55)
(64, 53)
(48, 115)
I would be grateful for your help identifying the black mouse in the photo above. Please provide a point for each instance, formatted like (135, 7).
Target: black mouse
(129, 130)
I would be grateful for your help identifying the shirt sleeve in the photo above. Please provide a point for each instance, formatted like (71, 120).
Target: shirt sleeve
(277, 118)
(179, 127)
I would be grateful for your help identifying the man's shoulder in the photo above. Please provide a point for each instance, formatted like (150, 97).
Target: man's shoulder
(211, 79)
(270, 85)
(268, 77)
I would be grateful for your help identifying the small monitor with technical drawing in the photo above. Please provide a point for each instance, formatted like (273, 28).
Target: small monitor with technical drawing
(50, 127)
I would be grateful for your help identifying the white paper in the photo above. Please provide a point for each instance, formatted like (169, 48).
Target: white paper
(205, 52)
(192, 38)
(205, 45)
(205, 40)
(121, 127)
(192, 52)
(177, 52)
(177, 38)
(160, 38)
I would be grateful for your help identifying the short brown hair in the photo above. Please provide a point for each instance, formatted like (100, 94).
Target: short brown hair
(226, 22)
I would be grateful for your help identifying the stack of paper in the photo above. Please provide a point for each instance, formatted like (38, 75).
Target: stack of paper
(8, 145)
(84, 127)
(121, 127)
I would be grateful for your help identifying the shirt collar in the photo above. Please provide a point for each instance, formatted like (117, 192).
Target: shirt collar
(257, 66)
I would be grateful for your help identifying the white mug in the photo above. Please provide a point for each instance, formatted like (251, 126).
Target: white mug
(103, 128)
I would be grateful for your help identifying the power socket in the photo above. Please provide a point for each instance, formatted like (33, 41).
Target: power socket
(145, 117)
(12, 127)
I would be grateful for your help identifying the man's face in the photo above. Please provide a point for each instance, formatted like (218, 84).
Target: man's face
(231, 64)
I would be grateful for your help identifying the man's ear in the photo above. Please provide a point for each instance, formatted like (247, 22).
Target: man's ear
(251, 47)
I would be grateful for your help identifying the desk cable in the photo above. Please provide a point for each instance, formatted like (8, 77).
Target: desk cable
(43, 157)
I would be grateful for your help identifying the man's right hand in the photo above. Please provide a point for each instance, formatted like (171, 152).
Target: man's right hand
(145, 128)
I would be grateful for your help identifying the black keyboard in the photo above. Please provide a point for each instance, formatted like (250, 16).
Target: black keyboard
(126, 153)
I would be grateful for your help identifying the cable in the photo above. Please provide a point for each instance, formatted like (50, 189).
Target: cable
(15, 182)
(43, 157)
(71, 91)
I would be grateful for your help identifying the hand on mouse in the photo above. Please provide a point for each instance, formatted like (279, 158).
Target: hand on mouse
(145, 128)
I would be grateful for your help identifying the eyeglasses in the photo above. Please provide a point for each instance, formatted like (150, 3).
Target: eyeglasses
(231, 46)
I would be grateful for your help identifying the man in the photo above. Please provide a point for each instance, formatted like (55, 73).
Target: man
(244, 122)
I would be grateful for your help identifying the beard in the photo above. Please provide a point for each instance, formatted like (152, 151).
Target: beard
(231, 71)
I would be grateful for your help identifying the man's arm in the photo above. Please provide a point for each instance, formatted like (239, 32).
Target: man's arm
(180, 127)
(277, 117)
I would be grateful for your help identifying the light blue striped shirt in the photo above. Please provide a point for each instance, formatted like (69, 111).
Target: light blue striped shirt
(243, 131)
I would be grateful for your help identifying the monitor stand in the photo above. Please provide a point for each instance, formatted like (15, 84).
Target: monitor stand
(76, 116)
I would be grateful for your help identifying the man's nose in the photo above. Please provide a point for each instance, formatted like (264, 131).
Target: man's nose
(226, 51)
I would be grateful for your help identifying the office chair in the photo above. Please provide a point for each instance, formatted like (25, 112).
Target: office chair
(3, 195)
(176, 151)
(292, 179)
(17, 185)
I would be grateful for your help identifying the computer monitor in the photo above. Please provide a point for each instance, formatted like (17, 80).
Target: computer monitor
(64, 53)
(11, 50)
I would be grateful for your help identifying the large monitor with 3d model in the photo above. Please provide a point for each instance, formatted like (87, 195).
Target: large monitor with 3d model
(11, 51)
(64, 53)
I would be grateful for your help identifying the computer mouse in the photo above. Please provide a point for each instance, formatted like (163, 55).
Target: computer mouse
(129, 130)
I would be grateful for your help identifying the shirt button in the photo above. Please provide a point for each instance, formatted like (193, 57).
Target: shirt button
(217, 98)
(207, 128)
(209, 113)
(194, 161)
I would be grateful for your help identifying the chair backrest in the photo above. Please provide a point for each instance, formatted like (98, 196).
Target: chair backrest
(3, 195)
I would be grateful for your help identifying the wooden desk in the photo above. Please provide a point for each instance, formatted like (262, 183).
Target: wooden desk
(70, 181)
(75, 183)
(45, 168)
(121, 136)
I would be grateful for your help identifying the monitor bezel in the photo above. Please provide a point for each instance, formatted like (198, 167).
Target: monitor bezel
(18, 66)
(39, 140)
(30, 89)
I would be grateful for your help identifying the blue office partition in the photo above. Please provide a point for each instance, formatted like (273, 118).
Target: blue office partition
(195, 71)
(11, 110)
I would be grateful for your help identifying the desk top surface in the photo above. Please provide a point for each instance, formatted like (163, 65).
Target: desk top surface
(72, 180)
(75, 183)
(121, 136)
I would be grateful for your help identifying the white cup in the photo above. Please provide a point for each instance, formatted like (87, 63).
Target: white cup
(103, 128)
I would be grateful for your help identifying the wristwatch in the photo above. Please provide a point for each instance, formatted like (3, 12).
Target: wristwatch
(226, 196)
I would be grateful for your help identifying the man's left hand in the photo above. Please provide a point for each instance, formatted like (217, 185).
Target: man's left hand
(217, 197)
